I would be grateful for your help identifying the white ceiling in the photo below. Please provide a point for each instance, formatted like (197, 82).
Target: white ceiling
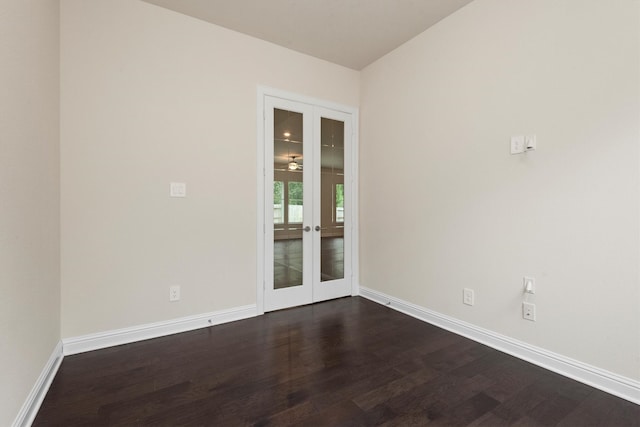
(352, 33)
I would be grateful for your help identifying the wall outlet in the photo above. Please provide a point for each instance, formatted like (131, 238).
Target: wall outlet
(174, 293)
(529, 311)
(467, 296)
(517, 144)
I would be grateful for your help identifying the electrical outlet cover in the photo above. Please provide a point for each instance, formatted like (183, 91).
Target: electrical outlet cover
(468, 296)
(529, 311)
(517, 144)
(174, 293)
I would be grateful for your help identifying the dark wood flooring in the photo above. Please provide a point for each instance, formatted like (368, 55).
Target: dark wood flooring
(345, 362)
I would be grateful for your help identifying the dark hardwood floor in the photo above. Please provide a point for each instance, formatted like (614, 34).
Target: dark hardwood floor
(345, 362)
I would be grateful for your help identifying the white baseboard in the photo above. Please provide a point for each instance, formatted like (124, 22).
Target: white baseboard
(609, 382)
(154, 330)
(31, 406)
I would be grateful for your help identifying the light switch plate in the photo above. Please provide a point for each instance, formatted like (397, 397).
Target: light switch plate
(178, 189)
(517, 144)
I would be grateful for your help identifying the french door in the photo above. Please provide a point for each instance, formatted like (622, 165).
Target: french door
(307, 209)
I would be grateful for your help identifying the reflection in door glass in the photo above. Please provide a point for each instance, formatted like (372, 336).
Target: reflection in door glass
(331, 200)
(278, 202)
(295, 202)
(340, 203)
(287, 199)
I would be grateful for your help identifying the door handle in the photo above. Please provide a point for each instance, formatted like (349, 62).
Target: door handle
(317, 228)
(307, 228)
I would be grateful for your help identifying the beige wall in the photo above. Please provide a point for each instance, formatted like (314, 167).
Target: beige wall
(29, 190)
(444, 107)
(150, 96)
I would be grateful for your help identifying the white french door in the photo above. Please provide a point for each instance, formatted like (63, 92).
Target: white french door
(307, 203)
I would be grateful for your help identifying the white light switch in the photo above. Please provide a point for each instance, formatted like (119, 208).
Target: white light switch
(178, 189)
(517, 144)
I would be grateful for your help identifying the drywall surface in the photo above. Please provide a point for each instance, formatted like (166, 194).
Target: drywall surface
(29, 190)
(149, 97)
(457, 210)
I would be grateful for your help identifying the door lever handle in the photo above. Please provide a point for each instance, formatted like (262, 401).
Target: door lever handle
(317, 228)
(307, 228)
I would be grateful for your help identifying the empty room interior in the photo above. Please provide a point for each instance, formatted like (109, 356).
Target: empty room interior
(320, 213)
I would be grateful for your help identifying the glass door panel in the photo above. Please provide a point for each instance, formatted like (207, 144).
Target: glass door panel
(288, 238)
(288, 200)
(331, 199)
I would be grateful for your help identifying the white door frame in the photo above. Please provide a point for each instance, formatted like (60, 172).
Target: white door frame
(261, 240)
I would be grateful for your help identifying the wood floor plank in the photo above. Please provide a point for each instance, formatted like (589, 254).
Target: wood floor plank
(394, 388)
(345, 362)
(290, 416)
(519, 404)
(345, 413)
(468, 411)
(602, 409)
(348, 389)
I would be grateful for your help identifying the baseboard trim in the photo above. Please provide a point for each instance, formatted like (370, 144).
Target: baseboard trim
(112, 338)
(30, 408)
(625, 388)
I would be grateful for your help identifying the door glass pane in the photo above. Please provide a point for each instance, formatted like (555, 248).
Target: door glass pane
(331, 200)
(287, 199)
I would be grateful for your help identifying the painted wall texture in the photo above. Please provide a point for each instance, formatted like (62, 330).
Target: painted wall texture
(460, 211)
